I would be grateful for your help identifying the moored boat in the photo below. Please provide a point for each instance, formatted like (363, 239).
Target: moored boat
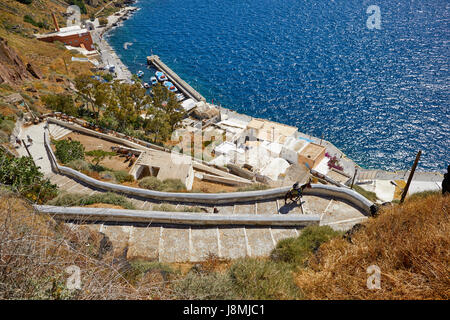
(140, 73)
(160, 76)
(153, 80)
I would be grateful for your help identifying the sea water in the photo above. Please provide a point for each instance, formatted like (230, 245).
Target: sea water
(373, 82)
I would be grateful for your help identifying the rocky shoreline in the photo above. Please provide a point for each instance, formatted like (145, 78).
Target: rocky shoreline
(107, 53)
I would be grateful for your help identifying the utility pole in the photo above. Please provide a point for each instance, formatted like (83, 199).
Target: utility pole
(413, 169)
(354, 176)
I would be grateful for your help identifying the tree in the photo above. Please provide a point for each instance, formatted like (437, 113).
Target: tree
(79, 3)
(99, 155)
(165, 100)
(157, 124)
(94, 92)
(61, 103)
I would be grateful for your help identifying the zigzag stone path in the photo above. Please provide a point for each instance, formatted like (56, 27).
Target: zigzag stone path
(170, 243)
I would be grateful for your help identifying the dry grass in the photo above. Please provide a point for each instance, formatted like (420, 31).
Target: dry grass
(409, 243)
(35, 252)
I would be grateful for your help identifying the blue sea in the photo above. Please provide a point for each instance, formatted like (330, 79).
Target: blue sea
(379, 95)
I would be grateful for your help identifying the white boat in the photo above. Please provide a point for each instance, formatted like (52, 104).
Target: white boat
(160, 76)
(140, 73)
(153, 80)
(146, 85)
(180, 96)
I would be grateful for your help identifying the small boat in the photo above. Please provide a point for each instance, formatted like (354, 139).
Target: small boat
(167, 84)
(179, 96)
(146, 85)
(160, 76)
(172, 88)
(140, 73)
(154, 80)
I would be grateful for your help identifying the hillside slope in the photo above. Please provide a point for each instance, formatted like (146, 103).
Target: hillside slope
(409, 243)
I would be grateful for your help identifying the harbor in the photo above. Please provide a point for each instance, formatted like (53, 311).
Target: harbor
(257, 149)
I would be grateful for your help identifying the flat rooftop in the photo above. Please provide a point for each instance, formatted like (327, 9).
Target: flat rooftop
(312, 151)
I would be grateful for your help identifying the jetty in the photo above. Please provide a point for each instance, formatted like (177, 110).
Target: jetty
(181, 85)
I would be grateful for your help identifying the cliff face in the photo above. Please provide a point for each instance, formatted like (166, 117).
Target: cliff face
(12, 68)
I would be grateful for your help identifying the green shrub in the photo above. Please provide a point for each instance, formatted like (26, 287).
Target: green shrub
(77, 199)
(123, 176)
(422, 195)
(296, 251)
(261, 280)
(67, 150)
(151, 183)
(61, 103)
(7, 125)
(171, 208)
(30, 20)
(102, 22)
(79, 165)
(173, 185)
(99, 155)
(4, 137)
(108, 175)
(107, 76)
(372, 196)
(213, 286)
(22, 175)
(79, 3)
(168, 185)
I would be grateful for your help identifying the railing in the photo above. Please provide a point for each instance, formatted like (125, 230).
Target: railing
(139, 216)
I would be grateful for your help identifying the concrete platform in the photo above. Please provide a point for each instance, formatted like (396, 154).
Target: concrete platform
(266, 207)
(338, 212)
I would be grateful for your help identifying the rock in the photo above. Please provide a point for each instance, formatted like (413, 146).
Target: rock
(34, 71)
(12, 68)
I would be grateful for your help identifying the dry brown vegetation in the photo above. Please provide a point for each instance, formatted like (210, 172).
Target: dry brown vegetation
(35, 252)
(409, 243)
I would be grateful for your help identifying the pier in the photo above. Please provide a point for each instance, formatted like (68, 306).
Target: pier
(181, 85)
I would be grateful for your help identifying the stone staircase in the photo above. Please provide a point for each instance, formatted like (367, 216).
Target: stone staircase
(181, 243)
(366, 175)
(57, 132)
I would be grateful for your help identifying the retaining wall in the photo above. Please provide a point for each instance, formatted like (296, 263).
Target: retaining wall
(140, 216)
